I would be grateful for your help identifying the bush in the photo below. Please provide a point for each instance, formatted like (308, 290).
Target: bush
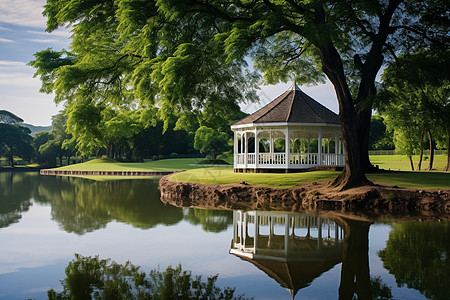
(173, 155)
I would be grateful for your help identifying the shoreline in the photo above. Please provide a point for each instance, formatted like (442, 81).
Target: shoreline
(105, 173)
(374, 202)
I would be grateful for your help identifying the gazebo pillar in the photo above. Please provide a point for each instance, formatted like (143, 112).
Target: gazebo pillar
(287, 148)
(256, 149)
(319, 148)
(246, 149)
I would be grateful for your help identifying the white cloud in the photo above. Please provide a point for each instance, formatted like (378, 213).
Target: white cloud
(12, 63)
(23, 12)
(4, 28)
(43, 40)
(61, 32)
(2, 40)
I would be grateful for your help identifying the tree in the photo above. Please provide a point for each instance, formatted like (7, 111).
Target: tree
(379, 137)
(418, 92)
(182, 55)
(210, 140)
(15, 139)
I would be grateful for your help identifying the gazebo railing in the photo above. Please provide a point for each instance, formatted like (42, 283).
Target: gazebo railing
(300, 160)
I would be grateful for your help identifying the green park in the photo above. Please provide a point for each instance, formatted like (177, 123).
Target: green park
(306, 132)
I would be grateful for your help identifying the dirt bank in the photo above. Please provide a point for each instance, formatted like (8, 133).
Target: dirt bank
(375, 201)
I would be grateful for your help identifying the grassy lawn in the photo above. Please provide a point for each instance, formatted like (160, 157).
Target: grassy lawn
(419, 180)
(401, 162)
(111, 165)
(224, 175)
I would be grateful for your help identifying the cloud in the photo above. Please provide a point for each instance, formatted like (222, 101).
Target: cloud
(5, 29)
(23, 12)
(2, 40)
(12, 63)
(48, 41)
(61, 32)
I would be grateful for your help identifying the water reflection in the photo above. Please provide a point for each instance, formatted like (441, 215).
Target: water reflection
(293, 249)
(418, 255)
(80, 205)
(95, 278)
(15, 195)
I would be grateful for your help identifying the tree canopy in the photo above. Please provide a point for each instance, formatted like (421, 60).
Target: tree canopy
(183, 55)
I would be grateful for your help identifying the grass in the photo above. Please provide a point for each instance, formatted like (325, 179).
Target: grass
(112, 165)
(401, 162)
(225, 175)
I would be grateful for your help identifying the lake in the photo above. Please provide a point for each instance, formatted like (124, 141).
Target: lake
(46, 220)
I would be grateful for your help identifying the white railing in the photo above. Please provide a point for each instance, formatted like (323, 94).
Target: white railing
(304, 159)
(251, 158)
(271, 159)
(295, 159)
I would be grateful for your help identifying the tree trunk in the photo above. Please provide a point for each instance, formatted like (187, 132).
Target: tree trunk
(353, 174)
(60, 160)
(355, 272)
(419, 165)
(430, 165)
(10, 155)
(68, 159)
(447, 166)
(411, 162)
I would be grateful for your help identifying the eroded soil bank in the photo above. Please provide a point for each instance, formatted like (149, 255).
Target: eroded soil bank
(372, 202)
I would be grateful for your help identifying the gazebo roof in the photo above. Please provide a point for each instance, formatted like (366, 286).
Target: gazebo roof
(293, 106)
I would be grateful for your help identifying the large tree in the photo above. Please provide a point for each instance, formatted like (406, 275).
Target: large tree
(181, 55)
(417, 93)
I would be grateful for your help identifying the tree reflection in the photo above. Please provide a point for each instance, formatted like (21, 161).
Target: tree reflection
(81, 205)
(15, 195)
(95, 278)
(211, 220)
(417, 254)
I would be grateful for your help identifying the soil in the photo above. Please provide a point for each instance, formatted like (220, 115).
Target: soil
(367, 202)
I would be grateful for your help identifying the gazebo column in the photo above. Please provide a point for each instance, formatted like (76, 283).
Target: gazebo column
(246, 149)
(319, 148)
(271, 147)
(336, 149)
(286, 234)
(235, 152)
(256, 149)
(287, 149)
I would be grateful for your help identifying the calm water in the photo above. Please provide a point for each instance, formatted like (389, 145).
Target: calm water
(45, 220)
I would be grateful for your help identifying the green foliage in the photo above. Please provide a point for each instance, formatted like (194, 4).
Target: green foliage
(210, 140)
(417, 89)
(379, 137)
(95, 278)
(15, 140)
(417, 255)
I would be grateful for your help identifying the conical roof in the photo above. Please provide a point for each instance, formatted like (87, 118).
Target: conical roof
(293, 106)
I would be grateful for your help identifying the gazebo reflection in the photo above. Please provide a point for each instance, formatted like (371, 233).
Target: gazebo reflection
(291, 248)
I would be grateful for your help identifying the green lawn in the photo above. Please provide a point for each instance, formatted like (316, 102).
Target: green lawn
(401, 162)
(224, 175)
(157, 165)
(419, 180)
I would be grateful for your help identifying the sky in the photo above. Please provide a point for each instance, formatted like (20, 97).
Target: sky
(22, 33)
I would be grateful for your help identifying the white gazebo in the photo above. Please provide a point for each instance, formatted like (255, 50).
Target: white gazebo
(292, 133)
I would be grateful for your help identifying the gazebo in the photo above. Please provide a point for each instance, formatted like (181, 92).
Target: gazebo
(292, 133)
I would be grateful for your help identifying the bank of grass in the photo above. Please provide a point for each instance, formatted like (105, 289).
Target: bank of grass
(112, 165)
(225, 175)
(418, 180)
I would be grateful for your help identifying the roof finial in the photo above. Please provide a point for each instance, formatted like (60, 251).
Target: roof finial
(295, 87)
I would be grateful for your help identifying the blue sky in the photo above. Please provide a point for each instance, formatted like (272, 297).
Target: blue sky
(22, 33)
